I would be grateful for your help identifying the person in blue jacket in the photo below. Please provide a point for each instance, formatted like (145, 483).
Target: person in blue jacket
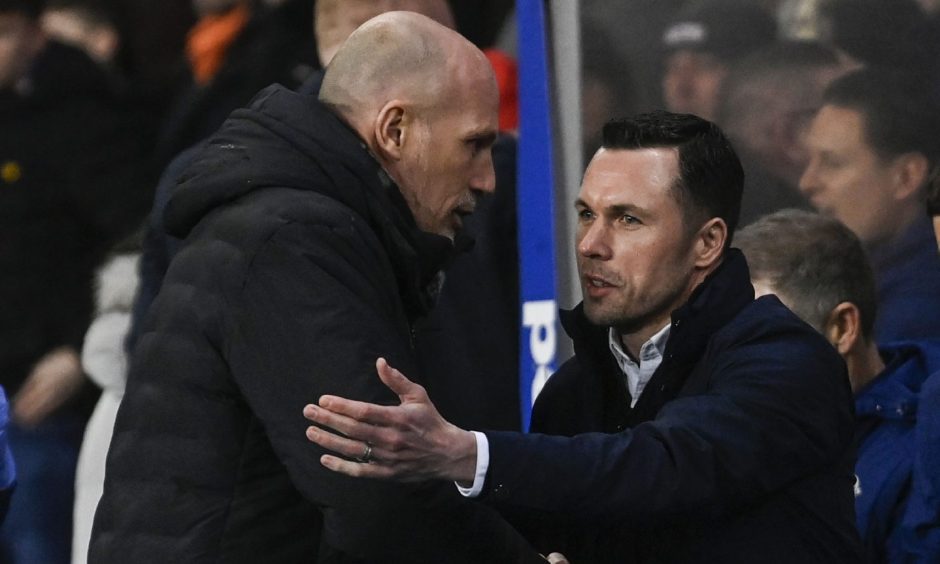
(694, 424)
(7, 466)
(818, 267)
(873, 149)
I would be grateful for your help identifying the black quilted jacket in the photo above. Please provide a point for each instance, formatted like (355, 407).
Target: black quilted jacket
(301, 265)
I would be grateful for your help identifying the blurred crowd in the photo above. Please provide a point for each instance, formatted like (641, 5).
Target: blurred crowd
(833, 106)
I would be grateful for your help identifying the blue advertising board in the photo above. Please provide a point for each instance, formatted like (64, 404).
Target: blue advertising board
(539, 335)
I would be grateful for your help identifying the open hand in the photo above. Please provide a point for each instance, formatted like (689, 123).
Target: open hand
(409, 442)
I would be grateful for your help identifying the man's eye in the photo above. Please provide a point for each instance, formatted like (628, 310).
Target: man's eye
(477, 146)
(585, 214)
(629, 219)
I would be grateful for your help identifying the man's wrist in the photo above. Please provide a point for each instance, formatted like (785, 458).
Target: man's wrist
(482, 464)
(463, 459)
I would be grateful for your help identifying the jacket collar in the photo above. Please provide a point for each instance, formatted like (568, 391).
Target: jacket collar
(425, 255)
(895, 393)
(712, 305)
(716, 301)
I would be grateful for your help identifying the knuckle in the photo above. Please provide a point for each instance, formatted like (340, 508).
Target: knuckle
(361, 412)
(396, 443)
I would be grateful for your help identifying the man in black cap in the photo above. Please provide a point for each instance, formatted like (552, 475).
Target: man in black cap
(702, 43)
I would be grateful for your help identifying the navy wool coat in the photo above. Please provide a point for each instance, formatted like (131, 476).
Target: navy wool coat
(739, 450)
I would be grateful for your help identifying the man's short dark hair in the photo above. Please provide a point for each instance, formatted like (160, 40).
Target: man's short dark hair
(900, 110)
(710, 175)
(29, 8)
(814, 261)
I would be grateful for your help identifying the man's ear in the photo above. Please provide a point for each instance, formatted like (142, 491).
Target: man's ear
(710, 242)
(910, 170)
(390, 130)
(843, 327)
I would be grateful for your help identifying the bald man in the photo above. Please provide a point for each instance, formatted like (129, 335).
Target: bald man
(315, 231)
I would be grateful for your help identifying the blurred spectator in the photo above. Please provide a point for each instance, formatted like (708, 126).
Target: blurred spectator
(236, 48)
(872, 146)
(104, 360)
(929, 6)
(818, 268)
(638, 27)
(86, 24)
(72, 181)
(767, 101)
(702, 43)
(7, 465)
(507, 78)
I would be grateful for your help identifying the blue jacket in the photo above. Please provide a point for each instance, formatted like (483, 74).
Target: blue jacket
(739, 450)
(907, 272)
(7, 467)
(898, 493)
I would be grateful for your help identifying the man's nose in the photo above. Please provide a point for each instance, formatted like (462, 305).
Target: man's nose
(808, 180)
(592, 241)
(484, 176)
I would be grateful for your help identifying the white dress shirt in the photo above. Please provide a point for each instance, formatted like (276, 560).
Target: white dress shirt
(637, 374)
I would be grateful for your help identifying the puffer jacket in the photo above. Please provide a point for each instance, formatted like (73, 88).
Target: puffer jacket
(301, 266)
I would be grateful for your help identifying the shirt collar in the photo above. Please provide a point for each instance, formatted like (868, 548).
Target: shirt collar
(655, 343)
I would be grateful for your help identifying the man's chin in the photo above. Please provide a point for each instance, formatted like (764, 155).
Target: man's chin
(598, 315)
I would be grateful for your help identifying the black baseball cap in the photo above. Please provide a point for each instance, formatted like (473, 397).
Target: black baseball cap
(729, 29)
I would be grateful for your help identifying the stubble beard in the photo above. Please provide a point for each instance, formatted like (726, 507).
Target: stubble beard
(629, 318)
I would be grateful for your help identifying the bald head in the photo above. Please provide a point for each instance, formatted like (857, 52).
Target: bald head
(425, 101)
(400, 55)
(337, 19)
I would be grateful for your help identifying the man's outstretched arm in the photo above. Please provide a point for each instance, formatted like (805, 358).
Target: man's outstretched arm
(768, 409)
(409, 442)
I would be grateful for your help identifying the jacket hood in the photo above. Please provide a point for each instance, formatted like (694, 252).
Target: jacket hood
(285, 139)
